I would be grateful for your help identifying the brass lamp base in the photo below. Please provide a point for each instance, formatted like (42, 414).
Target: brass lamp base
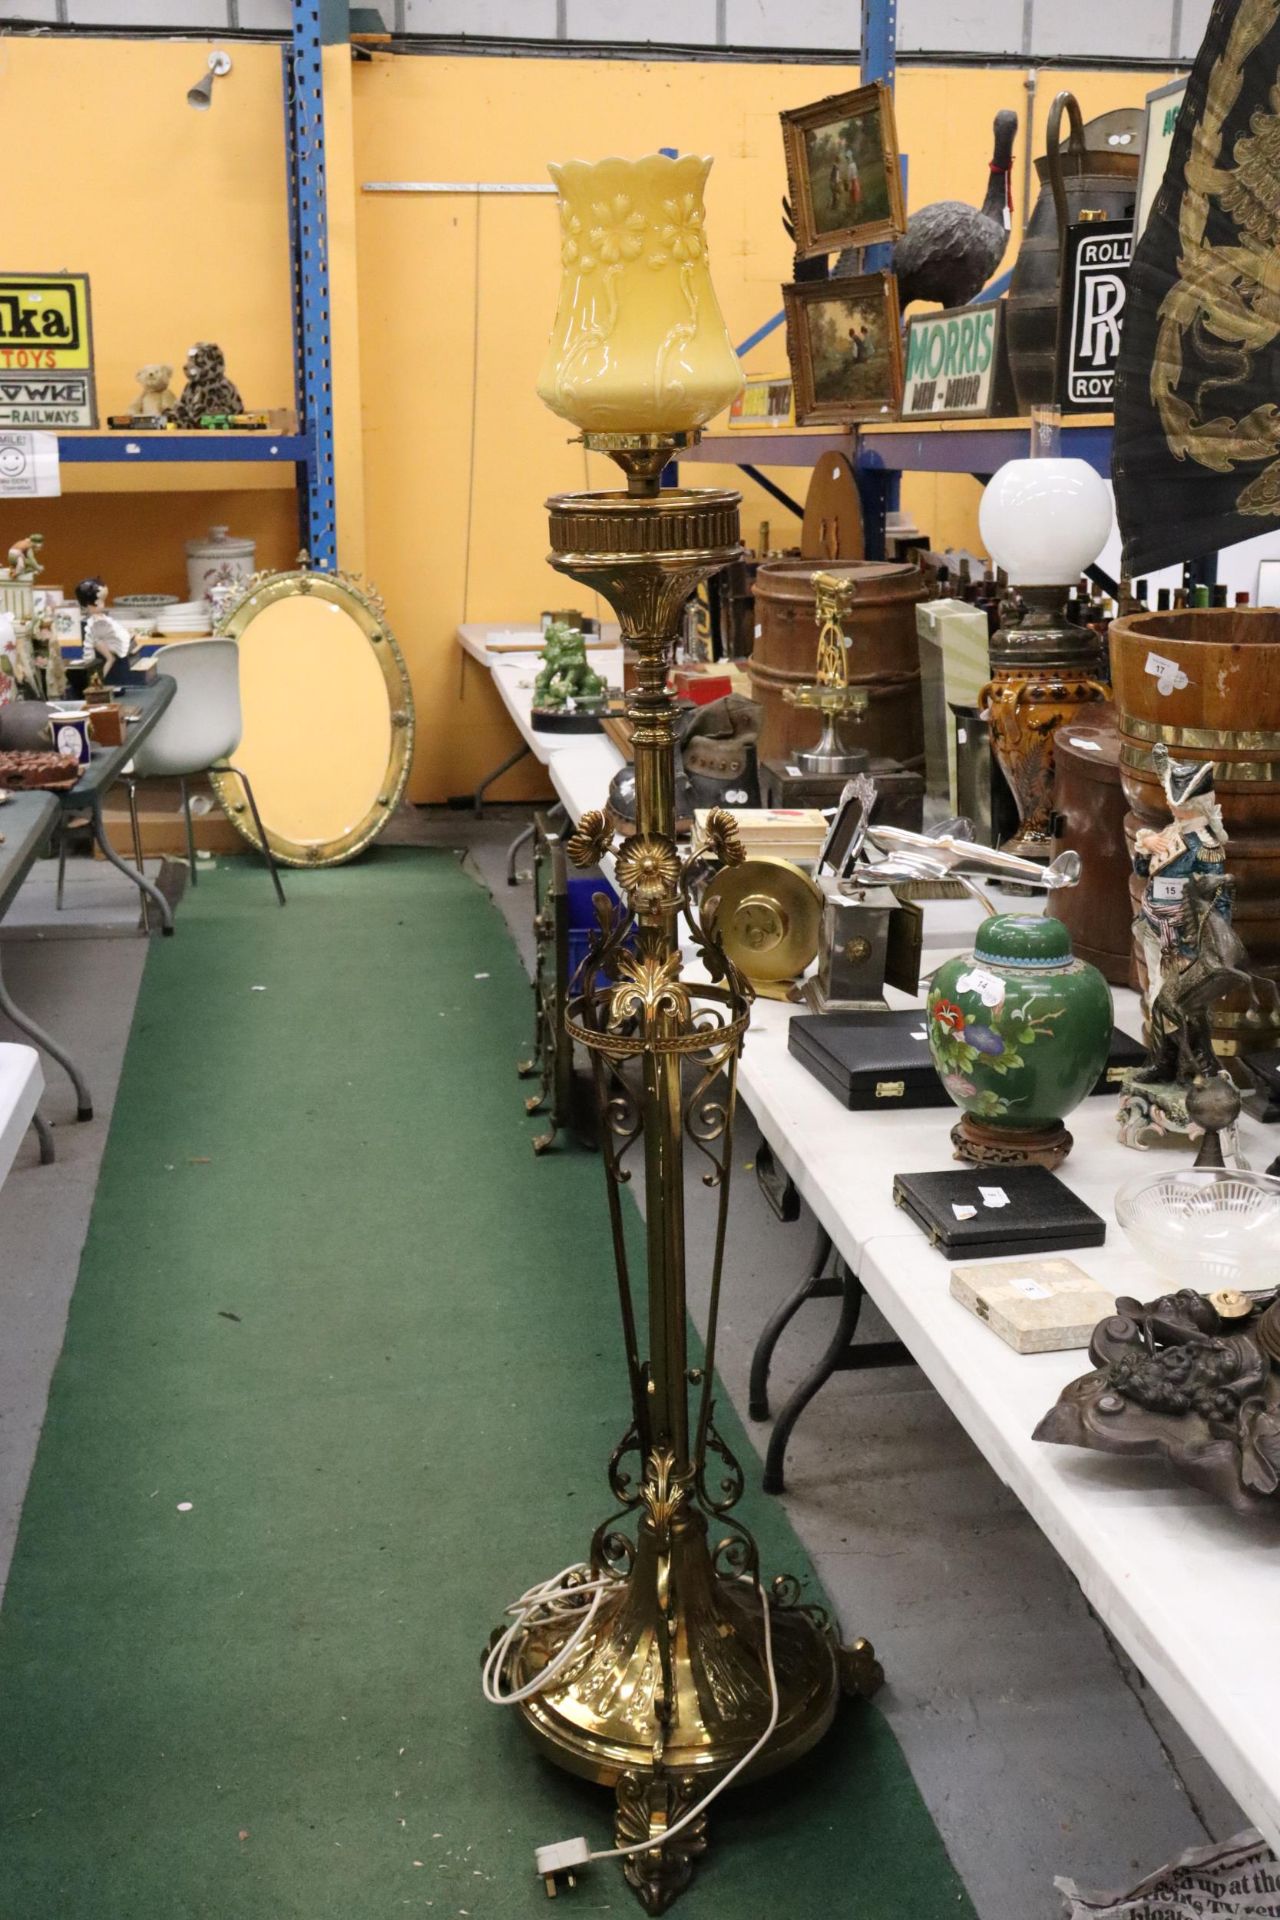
(686, 1665)
(606, 1718)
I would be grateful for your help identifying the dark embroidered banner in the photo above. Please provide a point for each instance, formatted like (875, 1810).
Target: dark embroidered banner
(1196, 460)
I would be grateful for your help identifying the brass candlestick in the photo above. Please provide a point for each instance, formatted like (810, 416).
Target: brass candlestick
(670, 1686)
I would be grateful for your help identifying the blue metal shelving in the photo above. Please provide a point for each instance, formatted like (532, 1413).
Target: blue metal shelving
(310, 450)
(168, 449)
(977, 450)
(315, 22)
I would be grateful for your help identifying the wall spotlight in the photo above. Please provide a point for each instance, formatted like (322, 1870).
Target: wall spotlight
(201, 95)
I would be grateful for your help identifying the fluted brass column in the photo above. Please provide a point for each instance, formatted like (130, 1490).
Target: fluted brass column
(670, 1687)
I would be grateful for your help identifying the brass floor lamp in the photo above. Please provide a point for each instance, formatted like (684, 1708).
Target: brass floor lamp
(664, 1666)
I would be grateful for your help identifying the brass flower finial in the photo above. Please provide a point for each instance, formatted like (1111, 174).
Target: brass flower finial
(721, 839)
(590, 840)
(649, 871)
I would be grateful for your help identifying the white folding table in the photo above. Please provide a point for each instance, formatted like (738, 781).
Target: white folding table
(1189, 1589)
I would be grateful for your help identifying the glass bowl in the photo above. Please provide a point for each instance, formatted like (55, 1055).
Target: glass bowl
(1205, 1227)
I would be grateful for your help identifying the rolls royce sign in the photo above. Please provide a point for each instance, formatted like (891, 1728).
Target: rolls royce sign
(1095, 273)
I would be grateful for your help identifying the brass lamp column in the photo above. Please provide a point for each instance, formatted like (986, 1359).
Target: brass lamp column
(669, 1688)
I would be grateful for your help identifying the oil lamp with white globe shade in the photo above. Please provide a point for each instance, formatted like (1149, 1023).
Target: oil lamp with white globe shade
(1044, 520)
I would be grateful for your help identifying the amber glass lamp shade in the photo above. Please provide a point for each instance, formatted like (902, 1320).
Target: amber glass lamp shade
(639, 344)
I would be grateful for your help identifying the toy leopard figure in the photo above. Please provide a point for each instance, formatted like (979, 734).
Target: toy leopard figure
(208, 390)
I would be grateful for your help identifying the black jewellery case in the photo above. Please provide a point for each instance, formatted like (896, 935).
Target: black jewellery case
(1039, 1214)
(874, 1061)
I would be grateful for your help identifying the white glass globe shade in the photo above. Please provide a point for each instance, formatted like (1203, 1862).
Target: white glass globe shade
(1045, 521)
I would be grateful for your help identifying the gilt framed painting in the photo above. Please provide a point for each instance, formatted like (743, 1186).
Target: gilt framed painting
(844, 341)
(843, 173)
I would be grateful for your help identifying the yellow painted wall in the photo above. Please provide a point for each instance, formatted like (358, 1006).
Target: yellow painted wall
(441, 305)
(180, 219)
(457, 296)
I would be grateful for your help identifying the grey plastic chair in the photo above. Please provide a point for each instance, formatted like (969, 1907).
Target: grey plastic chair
(197, 733)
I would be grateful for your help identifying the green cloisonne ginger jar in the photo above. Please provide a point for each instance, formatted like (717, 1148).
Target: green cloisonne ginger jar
(1019, 1030)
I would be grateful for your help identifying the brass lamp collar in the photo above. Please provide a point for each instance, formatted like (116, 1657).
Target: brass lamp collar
(642, 456)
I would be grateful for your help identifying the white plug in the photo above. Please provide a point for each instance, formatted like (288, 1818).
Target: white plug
(561, 1858)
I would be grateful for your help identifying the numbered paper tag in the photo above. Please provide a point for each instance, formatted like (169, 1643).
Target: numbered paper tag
(1031, 1288)
(963, 1213)
(994, 1196)
(1167, 674)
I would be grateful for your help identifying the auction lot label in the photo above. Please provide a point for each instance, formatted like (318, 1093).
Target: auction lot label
(46, 351)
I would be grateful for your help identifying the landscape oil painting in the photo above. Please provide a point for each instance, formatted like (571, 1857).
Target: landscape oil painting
(845, 347)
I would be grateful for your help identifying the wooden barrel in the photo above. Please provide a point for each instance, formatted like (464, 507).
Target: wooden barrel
(1088, 819)
(1206, 682)
(884, 658)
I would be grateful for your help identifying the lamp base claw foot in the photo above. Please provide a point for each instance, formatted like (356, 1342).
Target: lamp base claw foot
(861, 1674)
(649, 1805)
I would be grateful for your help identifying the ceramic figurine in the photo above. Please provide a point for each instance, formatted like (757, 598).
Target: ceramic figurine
(24, 559)
(208, 389)
(1193, 842)
(38, 663)
(565, 676)
(1019, 1031)
(1192, 954)
(155, 395)
(106, 637)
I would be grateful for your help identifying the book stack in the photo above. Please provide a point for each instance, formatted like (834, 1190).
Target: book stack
(784, 833)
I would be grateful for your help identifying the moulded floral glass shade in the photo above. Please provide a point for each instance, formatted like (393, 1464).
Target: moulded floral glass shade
(639, 344)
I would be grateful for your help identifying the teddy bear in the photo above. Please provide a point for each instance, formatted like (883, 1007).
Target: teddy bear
(155, 395)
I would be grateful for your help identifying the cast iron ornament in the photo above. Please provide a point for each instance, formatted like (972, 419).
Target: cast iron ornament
(1189, 1378)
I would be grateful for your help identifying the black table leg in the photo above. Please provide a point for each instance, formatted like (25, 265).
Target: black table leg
(25, 1024)
(44, 1134)
(512, 760)
(762, 1359)
(130, 873)
(841, 1356)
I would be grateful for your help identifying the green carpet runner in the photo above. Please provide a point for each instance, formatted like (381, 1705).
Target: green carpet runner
(341, 1377)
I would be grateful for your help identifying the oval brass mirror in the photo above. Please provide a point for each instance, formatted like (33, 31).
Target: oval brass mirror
(328, 716)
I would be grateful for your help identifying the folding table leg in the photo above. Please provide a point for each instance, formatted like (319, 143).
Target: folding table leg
(851, 1298)
(776, 1326)
(138, 878)
(512, 760)
(25, 1024)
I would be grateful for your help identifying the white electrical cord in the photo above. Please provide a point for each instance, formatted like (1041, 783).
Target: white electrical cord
(560, 1598)
(648, 1846)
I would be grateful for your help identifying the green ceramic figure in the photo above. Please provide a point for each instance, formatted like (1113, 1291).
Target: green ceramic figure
(1019, 1031)
(565, 675)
